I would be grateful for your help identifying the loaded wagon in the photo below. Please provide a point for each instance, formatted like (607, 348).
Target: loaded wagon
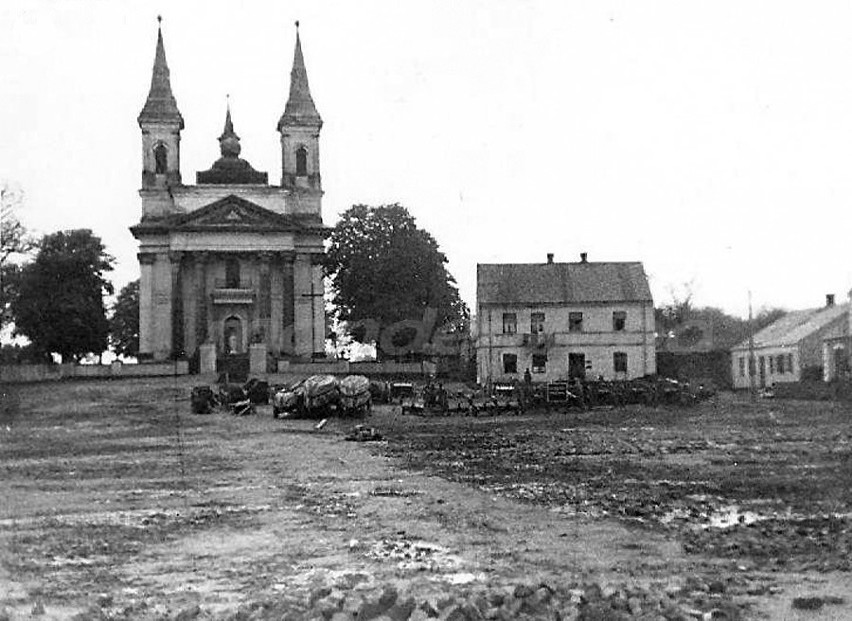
(355, 395)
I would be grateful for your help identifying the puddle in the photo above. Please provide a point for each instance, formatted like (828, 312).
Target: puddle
(724, 516)
(463, 577)
(731, 515)
(728, 516)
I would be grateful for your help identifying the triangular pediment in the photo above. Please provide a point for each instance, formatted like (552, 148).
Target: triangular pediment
(233, 212)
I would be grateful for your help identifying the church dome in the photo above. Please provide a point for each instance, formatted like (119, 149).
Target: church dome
(230, 168)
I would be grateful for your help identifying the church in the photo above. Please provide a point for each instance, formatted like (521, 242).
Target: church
(231, 263)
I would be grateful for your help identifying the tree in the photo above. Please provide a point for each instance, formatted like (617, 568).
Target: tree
(15, 243)
(59, 305)
(727, 330)
(14, 239)
(385, 269)
(124, 322)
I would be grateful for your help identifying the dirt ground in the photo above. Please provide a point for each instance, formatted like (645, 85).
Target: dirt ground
(117, 503)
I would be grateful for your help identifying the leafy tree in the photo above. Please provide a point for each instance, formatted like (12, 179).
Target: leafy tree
(14, 239)
(124, 322)
(15, 243)
(386, 269)
(10, 275)
(60, 305)
(727, 330)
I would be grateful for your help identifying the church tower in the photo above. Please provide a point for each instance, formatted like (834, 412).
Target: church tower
(161, 123)
(300, 127)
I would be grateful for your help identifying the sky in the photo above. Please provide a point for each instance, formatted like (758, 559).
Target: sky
(710, 140)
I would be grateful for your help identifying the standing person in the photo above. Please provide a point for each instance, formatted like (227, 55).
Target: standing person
(527, 389)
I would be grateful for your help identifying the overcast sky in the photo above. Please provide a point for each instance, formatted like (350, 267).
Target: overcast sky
(710, 140)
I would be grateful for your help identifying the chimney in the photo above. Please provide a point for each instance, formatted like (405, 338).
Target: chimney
(584, 257)
(550, 257)
(829, 299)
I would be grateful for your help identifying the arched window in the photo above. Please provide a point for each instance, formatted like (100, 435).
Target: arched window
(232, 274)
(301, 162)
(161, 154)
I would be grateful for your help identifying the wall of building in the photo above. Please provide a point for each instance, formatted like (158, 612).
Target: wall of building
(811, 348)
(597, 341)
(809, 352)
(740, 372)
(835, 358)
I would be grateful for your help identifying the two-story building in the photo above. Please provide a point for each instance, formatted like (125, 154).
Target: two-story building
(563, 320)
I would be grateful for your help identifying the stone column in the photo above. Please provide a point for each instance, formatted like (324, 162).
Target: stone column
(190, 306)
(303, 304)
(288, 306)
(264, 296)
(178, 347)
(162, 326)
(276, 301)
(318, 301)
(209, 284)
(200, 295)
(146, 303)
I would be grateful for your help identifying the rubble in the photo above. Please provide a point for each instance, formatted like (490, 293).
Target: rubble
(363, 433)
(529, 600)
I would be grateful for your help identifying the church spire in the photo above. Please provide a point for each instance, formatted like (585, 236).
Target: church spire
(229, 142)
(160, 105)
(300, 108)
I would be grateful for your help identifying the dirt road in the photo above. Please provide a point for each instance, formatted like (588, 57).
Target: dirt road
(121, 504)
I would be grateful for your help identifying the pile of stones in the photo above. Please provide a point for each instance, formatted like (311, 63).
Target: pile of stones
(572, 602)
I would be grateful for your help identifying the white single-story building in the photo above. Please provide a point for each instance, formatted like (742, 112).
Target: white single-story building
(791, 346)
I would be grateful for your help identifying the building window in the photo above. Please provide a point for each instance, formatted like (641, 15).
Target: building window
(619, 320)
(510, 323)
(232, 274)
(619, 362)
(536, 323)
(510, 363)
(539, 363)
(575, 322)
(772, 365)
(780, 364)
(301, 162)
(790, 363)
(161, 159)
(751, 366)
(742, 366)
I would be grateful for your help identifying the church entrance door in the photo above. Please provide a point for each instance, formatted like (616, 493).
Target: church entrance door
(233, 336)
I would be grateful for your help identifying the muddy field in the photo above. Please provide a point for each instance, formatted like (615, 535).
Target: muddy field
(117, 503)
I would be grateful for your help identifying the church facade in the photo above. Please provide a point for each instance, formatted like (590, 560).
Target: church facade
(231, 262)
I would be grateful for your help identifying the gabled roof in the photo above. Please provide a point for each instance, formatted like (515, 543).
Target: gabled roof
(561, 283)
(300, 108)
(797, 325)
(160, 105)
(232, 213)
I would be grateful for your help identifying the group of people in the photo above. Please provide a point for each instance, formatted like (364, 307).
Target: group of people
(435, 395)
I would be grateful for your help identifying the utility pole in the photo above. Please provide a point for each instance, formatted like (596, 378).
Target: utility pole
(752, 366)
